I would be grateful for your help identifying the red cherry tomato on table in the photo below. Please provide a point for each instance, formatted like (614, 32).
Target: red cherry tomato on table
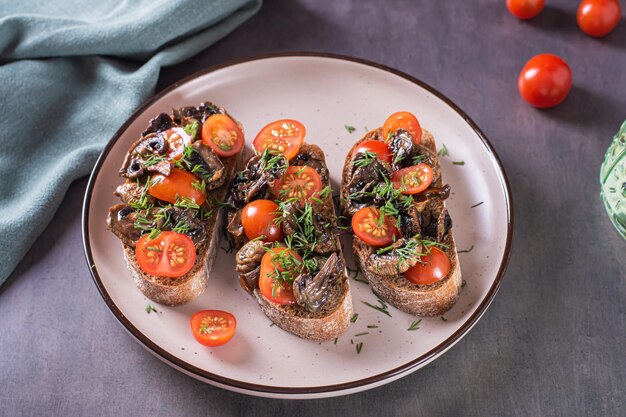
(413, 180)
(259, 220)
(213, 327)
(545, 81)
(282, 136)
(403, 120)
(170, 254)
(279, 267)
(222, 135)
(377, 147)
(433, 267)
(525, 9)
(301, 182)
(179, 184)
(598, 18)
(367, 226)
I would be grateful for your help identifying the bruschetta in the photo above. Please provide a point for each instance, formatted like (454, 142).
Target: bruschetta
(282, 221)
(176, 176)
(394, 195)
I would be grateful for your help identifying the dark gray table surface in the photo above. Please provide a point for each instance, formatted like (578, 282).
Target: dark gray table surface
(553, 341)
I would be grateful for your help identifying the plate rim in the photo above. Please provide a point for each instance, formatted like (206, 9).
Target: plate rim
(261, 389)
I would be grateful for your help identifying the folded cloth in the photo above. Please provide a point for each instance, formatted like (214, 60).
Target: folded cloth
(70, 73)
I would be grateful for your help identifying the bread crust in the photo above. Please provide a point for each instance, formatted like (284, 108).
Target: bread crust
(419, 300)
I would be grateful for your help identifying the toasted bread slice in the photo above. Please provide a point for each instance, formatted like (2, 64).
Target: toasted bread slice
(419, 300)
(333, 318)
(177, 291)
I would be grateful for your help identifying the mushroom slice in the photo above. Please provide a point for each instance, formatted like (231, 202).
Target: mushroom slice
(186, 115)
(132, 192)
(146, 156)
(121, 221)
(312, 292)
(401, 146)
(363, 181)
(159, 124)
(249, 256)
(249, 281)
(255, 181)
(438, 193)
(235, 228)
(206, 165)
(394, 259)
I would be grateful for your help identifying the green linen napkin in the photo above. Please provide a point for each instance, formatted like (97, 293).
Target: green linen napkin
(71, 72)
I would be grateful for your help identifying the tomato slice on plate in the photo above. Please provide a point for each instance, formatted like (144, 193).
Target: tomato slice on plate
(367, 226)
(433, 267)
(403, 120)
(170, 254)
(213, 327)
(259, 220)
(301, 182)
(413, 180)
(282, 136)
(279, 267)
(177, 139)
(375, 146)
(178, 185)
(222, 135)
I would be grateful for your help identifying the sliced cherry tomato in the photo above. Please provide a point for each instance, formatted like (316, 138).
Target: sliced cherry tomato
(282, 136)
(525, 9)
(367, 226)
(379, 148)
(301, 182)
(545, 81)
(598, 18)
(213, 327)
(170, 254)
(403, 120)
(433, 267)
(177, 139)
(175, 187)
(223, 135)
(279, 267)
(259, 220)
(413, 180)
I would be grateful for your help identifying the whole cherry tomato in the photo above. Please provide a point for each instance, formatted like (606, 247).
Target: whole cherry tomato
(545, 81)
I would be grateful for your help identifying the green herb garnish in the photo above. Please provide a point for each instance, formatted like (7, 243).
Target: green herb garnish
(443, 151)
(150, 308)
(414, 325)
(350, 129)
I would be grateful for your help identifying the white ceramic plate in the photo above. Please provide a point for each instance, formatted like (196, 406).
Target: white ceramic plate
(325, 93)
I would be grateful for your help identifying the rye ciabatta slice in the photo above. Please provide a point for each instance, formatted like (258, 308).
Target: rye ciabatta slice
(333, 318)
(177, 291)
(419, 300)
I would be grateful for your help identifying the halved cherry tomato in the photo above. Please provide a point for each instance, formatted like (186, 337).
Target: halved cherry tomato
(598, 18)
(223, 135)
(525, 9)
(433, 267)
(377, 147)
(545, 81)
(174, 187)
(282, 136)
(403, 120)
(213, 327)
(413, 180)
(170, 254)
(279, 267)
(367, 226)
(259, 220)
(301, 182)
(177, 139)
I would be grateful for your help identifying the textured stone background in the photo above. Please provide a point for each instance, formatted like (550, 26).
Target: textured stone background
(552, 342)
